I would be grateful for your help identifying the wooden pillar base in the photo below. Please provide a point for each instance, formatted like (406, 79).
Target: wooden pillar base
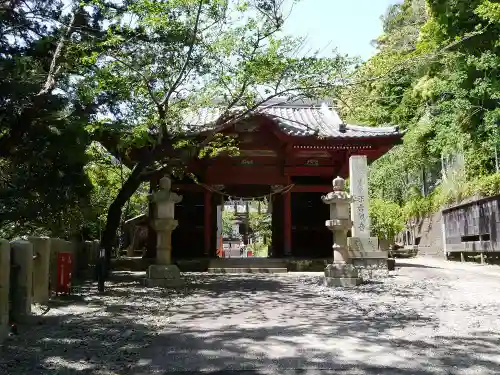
(207, 233)
(287, 216)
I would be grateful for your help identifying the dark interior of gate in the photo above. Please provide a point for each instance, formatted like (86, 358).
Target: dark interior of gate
(309, 236)
(288, 154)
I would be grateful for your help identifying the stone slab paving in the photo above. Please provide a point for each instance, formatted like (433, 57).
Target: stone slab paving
(427, 317)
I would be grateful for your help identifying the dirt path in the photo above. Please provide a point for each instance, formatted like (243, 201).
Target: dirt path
(428, 317)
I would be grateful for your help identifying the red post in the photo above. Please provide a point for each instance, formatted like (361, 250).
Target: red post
(64, 273)
(208, 222)
(287, 212)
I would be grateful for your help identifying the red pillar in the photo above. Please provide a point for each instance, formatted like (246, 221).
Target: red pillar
(208, 222)
(287, 223)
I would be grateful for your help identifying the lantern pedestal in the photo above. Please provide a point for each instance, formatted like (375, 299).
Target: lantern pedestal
(341, 272)
(163, 273)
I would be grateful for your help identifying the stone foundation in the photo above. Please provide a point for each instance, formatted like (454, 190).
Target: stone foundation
(41, 269)
(344, 275)
(371, 268)
(22, 260)
(168, 276)
(4, 287)
(367, 258)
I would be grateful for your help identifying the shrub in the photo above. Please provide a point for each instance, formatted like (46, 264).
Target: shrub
(386, 218)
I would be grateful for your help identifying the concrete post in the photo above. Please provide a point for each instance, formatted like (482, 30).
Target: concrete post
(4, 287)
(75, 249)
(91, 252)
(95, 251)
(443, 234)
(86, 249)
(41, 269)
(56, 246)
(22, 262)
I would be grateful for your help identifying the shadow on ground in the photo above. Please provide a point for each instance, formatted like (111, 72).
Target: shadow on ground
(253, 324)
(413, 265)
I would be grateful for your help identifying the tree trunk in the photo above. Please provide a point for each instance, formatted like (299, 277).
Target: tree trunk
(115, 210)
(151, 244)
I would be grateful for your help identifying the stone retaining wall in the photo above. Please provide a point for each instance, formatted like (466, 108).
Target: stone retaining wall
(28, 273)
(4, 287)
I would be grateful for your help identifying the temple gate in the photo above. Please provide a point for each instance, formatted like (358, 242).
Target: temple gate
(288, 153)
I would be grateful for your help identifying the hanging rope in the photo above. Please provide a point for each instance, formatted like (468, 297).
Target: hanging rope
(284, 190)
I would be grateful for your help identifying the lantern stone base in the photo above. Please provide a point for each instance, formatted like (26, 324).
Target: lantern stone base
(164, 276)
(360, 245)
(343, 275)
(364, 253)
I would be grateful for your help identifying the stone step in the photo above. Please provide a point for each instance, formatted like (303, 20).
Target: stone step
(253, 266)
(246, 261)
(217, 263)
(247, 265)
(248, 270)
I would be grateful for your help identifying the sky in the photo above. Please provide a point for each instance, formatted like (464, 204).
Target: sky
(348, 25)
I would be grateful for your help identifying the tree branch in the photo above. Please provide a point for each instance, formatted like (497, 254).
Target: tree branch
(54, 69)
(179, 78)
(147, 81)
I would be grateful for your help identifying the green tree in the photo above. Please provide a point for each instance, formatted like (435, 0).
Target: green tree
(260, 222)
(107, 176)
(386, 219)
(227, 223)
(42, 136)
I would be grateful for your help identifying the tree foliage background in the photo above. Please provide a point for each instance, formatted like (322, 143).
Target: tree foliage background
(436, 75)
(129, 76)
(95, 97)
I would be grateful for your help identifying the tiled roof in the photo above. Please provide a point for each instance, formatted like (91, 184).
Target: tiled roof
(300, 119)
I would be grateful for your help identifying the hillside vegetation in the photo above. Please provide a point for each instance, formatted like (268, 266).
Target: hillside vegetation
(437, 75)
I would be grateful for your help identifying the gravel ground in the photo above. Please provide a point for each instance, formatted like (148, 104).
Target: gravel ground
(427, 317)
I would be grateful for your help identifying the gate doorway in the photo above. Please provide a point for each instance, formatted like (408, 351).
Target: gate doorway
(244, 228)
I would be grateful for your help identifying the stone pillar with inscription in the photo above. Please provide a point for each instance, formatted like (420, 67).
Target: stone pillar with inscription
(164, 273)
(363, 249)
(341, 272)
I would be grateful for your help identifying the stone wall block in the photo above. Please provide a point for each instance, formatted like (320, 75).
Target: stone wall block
(87, 254)
(4, 287)
(75, 249)
(22, 290)
(93, 247)
(41, 269)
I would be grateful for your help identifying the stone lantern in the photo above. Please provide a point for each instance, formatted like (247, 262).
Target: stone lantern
(341, 272)
(164, 273)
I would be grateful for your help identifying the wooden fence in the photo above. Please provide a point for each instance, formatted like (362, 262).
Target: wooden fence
(472, 227)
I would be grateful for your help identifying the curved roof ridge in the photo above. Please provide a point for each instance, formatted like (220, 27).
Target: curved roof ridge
(295, 119)
(372, 129)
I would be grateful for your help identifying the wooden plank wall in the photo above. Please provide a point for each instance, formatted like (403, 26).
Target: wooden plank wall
(473, 227)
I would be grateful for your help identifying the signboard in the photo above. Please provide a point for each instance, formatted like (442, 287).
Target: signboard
(358, 173)
(64, 272)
